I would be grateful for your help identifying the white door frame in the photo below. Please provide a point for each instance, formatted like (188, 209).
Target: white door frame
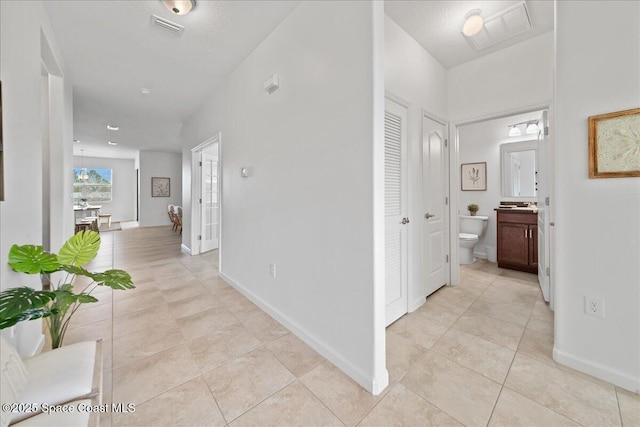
(454, 179)
(195, 192)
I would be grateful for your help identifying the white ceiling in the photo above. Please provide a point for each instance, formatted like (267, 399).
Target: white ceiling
(437, 25)
(111, 50)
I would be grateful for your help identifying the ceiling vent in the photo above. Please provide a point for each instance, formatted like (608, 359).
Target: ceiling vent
(502, 26)
(165, 24)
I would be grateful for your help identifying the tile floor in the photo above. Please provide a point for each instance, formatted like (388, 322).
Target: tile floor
(189, 350)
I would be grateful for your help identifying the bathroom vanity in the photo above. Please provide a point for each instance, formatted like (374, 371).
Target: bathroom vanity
(518, 239)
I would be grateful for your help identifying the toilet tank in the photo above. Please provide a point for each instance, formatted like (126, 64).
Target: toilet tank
(473, 224)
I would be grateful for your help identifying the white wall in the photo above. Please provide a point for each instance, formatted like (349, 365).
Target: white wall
(598, 220)
(308, 205)
(504, 81)
(123, 192)
(414, 76)
(21, 24)
(153, 210)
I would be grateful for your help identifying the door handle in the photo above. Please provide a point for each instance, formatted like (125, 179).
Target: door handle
(405, 220)
(428, 215)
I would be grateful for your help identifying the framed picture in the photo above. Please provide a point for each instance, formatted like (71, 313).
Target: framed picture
(614, 144)
(473, 176)
(160, 187)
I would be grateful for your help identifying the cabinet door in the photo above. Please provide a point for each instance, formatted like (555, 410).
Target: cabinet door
(513, 246)
(533, 246)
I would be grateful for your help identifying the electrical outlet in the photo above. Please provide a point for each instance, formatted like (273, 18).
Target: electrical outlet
(272, 269)
(594, 306)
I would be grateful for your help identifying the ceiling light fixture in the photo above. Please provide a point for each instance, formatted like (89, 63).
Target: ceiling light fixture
(473, 23)
(145, 91)
(111, 127)
(179, 7)
(112, 143)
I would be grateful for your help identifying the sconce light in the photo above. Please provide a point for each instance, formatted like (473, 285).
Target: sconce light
(532, 127)
(514, 130)
(179, 7)
(473, 23)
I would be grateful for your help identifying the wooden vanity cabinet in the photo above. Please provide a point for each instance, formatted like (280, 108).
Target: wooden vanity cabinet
(518, 240)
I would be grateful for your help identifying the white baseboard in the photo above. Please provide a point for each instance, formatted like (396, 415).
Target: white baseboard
(372, 385)
(416, 303)
(184, 248)
(597, 370)
(481, 255)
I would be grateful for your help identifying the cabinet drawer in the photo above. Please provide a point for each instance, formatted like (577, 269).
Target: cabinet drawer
(518, 218)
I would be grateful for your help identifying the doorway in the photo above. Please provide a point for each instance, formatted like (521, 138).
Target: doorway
(206, 196)
(516, 150)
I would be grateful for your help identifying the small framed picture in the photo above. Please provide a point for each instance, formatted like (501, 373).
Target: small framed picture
(160, 187)
(614, 144)
(473, 176)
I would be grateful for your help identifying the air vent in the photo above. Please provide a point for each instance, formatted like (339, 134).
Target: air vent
(167, 25)
(502, 26)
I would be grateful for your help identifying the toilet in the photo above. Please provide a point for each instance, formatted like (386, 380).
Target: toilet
(471, 229)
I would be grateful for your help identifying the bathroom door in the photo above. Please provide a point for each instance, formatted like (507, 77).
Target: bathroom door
(542, 184)
(435, 240)
(396, 207)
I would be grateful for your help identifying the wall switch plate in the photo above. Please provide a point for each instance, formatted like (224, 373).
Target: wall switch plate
(272, 270)
(594, 306)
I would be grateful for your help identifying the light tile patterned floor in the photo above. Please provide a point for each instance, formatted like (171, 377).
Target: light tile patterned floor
(189, 350)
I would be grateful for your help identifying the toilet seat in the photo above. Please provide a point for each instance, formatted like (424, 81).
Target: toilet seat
(467, 236)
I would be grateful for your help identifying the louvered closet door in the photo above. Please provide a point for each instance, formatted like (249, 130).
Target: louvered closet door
(395, 201)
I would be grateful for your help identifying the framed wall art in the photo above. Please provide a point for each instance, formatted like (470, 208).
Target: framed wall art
(614, 144)
(473, 176)
(160, 187)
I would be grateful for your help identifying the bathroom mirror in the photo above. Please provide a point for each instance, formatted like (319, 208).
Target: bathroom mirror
(518, 164)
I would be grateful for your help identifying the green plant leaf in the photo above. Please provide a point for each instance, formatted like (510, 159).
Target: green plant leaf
(32, 259)
(15, 302)
(30, 314)
(85, 298)
(78, 271)
(115, 279)
(80, 249)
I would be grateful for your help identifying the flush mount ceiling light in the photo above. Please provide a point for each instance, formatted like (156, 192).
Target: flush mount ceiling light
(179, 7)
(145, 91)
(112, 143)
(473, 23)
(111, 127)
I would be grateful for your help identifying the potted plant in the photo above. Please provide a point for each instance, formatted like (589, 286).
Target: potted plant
(473, 209)
(59, 304)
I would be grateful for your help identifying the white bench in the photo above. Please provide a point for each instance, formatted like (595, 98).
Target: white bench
(70, 375)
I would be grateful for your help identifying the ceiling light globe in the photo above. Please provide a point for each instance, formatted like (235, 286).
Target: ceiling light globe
(472, 25)
(179, 7)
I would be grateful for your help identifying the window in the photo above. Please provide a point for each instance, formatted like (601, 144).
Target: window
(95, 188)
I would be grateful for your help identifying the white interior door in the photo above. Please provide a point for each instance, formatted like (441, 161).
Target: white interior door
(435, 241)
(542, 183)
(395, 204)
(209, 205)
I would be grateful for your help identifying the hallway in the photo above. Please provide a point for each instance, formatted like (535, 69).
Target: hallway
(189, 350)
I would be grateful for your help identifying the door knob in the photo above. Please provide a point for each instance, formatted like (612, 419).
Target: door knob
(428, 215)
(405, 220)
